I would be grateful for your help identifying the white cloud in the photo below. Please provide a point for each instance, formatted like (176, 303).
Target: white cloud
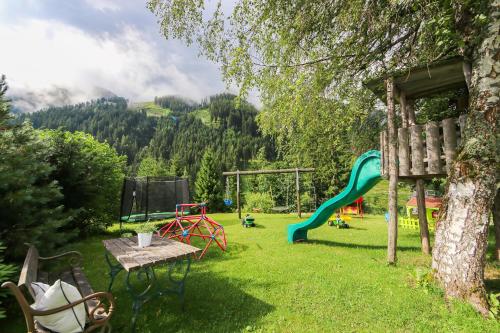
(45, 58)
(104, 5)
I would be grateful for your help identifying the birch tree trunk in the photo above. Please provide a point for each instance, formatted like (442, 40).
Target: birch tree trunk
(461, 236)
(496, 222)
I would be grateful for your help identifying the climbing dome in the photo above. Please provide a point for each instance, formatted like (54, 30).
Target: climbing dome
(185, 227)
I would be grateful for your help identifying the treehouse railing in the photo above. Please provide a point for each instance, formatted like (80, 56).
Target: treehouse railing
(425, 151)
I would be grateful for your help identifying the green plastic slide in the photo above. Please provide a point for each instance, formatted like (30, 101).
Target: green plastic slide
(364, 175)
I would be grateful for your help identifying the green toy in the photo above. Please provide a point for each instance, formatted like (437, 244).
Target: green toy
(248, 221)
(338, 222)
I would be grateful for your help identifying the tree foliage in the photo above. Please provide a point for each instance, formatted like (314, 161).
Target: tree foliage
(31, 207)
(208, 182)
(152, 167)
(6, 273)
(90, 175)
(107, 119)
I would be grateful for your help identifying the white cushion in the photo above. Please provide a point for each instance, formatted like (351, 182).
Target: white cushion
(39, 288)
(59, 294)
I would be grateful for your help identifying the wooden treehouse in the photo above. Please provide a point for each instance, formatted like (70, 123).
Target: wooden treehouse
(414, 152)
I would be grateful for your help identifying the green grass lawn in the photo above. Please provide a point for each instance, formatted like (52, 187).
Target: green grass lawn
(336, 282)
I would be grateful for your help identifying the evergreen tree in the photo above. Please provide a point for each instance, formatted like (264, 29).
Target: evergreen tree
(208, 182)
(31, 207)
(4, 105)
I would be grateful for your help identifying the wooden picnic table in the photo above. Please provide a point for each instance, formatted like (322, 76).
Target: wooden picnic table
(142, 261)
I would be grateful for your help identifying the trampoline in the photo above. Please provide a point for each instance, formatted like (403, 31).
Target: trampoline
(152, 198)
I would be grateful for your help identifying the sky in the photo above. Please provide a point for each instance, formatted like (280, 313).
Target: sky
(57, 52)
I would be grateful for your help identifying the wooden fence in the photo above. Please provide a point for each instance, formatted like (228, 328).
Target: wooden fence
(424, 151)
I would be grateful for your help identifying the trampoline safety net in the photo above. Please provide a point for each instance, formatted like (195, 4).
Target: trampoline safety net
(149, 198)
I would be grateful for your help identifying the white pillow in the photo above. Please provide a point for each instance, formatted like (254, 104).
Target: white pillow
(39, 288)
(60, 293)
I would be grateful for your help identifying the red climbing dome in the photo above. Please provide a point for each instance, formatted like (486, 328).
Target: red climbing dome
(184, 227)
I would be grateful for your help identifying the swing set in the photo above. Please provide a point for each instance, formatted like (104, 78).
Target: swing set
(238, 174)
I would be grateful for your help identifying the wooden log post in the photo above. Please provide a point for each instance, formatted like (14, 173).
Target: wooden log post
(297, 189)
(385, 154)
(418, 168)
(382, 155)
(450, 141)
(403, 152)
(393, 175)
(462, 122)
(422, 217)
(403, 144)
(417, 151)
(238, 203)
(434, 165)
(404, 109)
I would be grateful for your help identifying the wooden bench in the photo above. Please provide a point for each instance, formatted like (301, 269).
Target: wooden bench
(67, 267)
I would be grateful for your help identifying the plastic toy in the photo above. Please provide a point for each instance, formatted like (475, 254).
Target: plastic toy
(354, 208)
(432, 206)
(184, 227)
(338, 221)
(364, 175)
(248, 221)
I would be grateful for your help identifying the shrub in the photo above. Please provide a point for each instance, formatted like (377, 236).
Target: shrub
(261, 201)
(31, 208)
(90, 174)
(6, 272)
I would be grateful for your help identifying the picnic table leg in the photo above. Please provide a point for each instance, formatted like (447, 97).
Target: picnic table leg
(180, 283)
(113, 270)
(139, 298)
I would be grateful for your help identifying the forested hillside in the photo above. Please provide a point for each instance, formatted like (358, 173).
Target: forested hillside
(176, 139)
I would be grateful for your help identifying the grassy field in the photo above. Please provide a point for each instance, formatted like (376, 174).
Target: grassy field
(203, 115)
(152, 109)
(336, 282)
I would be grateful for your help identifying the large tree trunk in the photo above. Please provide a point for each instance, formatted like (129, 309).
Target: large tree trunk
(461, 236)
(496, 222)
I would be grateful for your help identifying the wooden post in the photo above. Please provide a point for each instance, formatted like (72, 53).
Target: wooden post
(417, 151)
(418, 168)
(238, 203)
(404, 110)
(403, 152)
(385, 154)
(410, 109)
(462, 122)
(404, 149)
(297, 188)
(434, 165)
(382, 155)
(422, 217)
(393, 175)
(450, 141)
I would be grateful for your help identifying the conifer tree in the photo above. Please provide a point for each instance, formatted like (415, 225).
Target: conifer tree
(208, 185)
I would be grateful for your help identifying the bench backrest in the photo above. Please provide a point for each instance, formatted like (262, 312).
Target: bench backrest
(29, 271)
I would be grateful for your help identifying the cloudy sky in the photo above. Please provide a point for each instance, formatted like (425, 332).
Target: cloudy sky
(58, 52)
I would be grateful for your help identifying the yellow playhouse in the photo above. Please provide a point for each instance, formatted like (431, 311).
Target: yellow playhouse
(432, 205)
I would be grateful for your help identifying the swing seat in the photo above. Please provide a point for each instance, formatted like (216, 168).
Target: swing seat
(228, 202)
(281, 209)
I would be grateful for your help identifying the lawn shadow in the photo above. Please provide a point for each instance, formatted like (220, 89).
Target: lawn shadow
(359, 246)
(213, 303)
(356, 228)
